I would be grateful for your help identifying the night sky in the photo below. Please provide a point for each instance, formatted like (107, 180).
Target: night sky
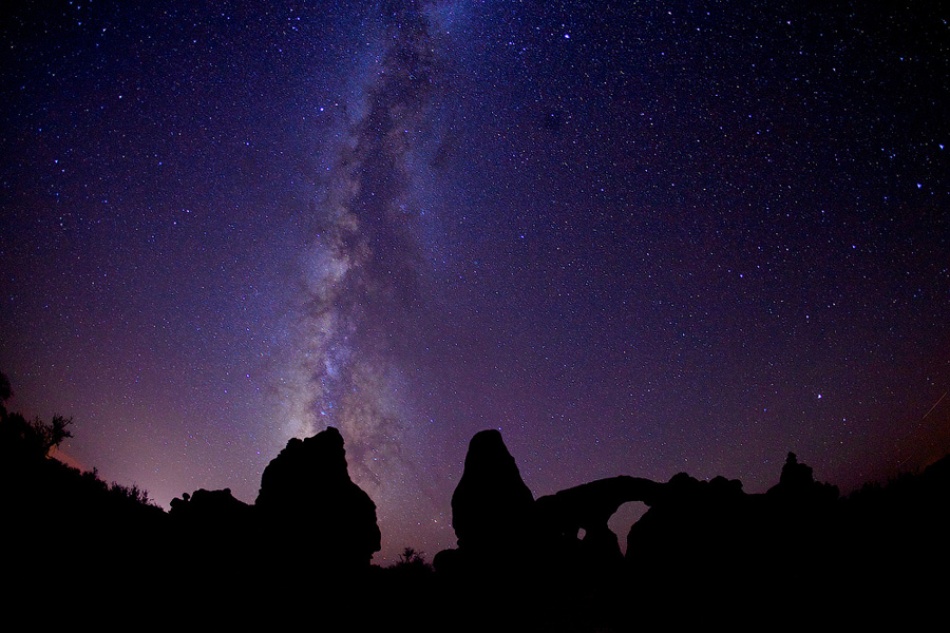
(637, 237)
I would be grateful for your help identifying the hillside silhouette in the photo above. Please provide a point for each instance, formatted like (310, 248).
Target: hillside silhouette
(704, 552)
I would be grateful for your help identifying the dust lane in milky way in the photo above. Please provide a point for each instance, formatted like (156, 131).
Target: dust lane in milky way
(362, 308)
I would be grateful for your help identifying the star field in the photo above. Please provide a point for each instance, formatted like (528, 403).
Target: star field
(637, 237)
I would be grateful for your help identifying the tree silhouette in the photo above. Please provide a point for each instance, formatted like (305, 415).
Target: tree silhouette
(28, 439)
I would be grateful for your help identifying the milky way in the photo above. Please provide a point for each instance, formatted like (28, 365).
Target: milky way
(360, 299)
(637, 237)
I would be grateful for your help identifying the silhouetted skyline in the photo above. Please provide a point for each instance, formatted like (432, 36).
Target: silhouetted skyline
(705, 551)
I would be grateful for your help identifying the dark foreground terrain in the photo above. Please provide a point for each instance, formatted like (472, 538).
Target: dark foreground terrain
(78, 550)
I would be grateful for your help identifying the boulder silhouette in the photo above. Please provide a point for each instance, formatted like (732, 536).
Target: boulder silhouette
(797, 485)
(308, 505)
(491, 506)
(214, 508)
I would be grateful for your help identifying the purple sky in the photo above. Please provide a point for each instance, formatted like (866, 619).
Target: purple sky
(638, 237)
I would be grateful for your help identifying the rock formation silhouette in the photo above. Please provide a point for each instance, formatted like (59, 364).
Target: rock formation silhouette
(307, 491)
(492, 508)
(693, 530)
(308, 515)
(492, 514)
(588, 507)
(797, 485)
(215, 508)
(704, 552)
(709, 539)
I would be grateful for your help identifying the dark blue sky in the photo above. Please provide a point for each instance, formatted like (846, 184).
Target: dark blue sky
(638, 237)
